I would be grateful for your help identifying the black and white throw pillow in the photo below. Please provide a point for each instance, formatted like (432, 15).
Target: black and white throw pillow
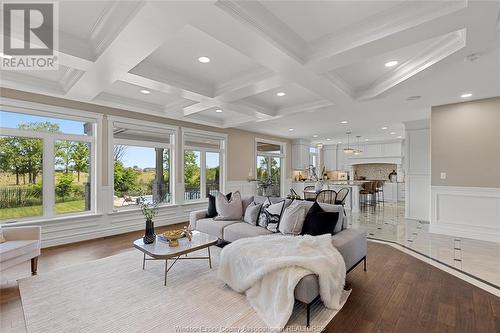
(270, 215)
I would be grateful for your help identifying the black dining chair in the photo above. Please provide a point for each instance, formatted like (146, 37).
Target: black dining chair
(341, 196)
(309, 196)
(327, 196)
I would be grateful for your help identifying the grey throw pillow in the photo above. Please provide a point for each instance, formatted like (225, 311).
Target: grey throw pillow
(228, 209)
(292, 219)
(252, 213)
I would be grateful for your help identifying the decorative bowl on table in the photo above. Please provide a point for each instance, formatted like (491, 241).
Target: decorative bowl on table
(173, 237)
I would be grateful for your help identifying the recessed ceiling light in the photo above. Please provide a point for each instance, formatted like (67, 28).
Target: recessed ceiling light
(204, 60)
(315, 135)
(400, 137)
(367, 140)
(145, 92)
(344, 122)
(328, 139)
(466, 95)
(391, 63)
(392, 133)
(280, 94)
(339, 142)
(6, 56)
(291, 129)
(384, 128)
(218, 110)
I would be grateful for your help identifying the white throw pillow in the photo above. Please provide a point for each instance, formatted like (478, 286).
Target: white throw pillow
(293, 219)
(228, 210)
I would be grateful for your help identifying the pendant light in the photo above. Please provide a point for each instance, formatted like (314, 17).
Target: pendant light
(348, 150)
(358, 151)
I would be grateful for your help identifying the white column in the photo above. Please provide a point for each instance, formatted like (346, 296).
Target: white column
(418, 170)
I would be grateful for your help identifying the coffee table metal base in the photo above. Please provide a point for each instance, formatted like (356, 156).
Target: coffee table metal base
(167, 267)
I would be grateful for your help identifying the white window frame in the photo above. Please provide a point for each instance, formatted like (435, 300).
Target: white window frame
(131, 123)
(281, 155)
(203, 165)
(48, 154)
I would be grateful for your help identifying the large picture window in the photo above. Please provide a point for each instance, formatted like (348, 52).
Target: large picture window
(141, 165)
(269, 168)
(203, 160)
(45, 165)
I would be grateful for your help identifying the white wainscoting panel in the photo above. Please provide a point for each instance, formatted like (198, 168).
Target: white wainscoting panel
(470, 212)
(245, 187)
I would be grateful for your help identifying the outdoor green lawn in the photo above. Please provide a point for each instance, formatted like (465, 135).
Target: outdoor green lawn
(60, 208)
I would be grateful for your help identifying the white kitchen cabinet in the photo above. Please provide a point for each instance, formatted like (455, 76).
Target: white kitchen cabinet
(330, 157)
(300, 154)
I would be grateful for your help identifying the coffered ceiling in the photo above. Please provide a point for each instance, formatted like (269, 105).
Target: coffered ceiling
(327, 57)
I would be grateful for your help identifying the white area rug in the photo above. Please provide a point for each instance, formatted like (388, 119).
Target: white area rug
(114, 294)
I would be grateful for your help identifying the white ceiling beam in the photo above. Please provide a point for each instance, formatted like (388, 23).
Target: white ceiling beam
(145, 32)
(258, 46)
(437, 51)
(405, 25)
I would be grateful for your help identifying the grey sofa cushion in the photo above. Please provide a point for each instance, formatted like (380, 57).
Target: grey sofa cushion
(351, 243)
(213, 227)
(307, 289)
(242, 230)
(245, 201)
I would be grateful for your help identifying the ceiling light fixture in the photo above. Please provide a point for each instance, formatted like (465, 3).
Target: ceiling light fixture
(384, 128)
(413, 98)
(344, 122)
(466, 95)
(391, 63)
(291, 129)
(280, 94)
(367, 140)
(315, 135)
(328, 139)
(145, 92)
(348, 150)
(392, 133)
(358, 151)
(204, 60)
(218, 110)
(400, 137)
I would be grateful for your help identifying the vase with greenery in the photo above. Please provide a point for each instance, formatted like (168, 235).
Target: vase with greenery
(149, 210)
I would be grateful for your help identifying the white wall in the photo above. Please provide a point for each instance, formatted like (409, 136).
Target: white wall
(418, 170)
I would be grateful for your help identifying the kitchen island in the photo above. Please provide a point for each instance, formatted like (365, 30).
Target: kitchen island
(352, 201)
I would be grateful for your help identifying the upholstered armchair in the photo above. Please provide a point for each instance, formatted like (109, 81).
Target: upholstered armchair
(21, 244)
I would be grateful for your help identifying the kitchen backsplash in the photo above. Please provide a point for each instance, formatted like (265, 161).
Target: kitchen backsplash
(375, 171)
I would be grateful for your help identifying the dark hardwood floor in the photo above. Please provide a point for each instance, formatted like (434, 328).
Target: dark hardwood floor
(398, 293)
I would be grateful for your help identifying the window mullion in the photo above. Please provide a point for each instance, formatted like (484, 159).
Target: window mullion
(203, 169)
(48, 180)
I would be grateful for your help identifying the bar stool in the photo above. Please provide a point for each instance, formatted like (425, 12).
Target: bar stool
(380, 190)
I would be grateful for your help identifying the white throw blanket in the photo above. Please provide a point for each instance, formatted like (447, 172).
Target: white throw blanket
(268, 268)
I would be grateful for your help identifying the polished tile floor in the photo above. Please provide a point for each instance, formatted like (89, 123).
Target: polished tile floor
(387, 223)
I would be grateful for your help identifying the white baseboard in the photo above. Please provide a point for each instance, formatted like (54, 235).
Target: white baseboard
(469, 212)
